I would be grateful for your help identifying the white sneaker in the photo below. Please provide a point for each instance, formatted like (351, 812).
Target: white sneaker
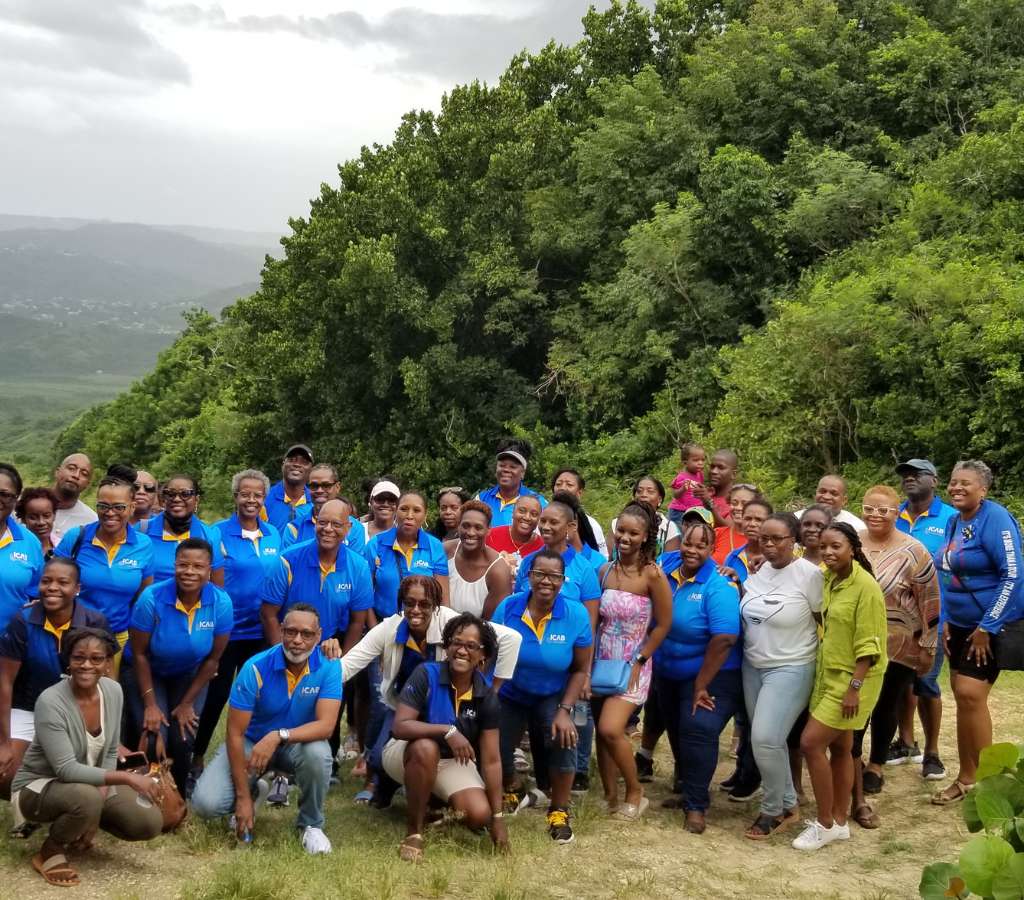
(522, 764)
(534, 797)
(815, 835)
(314, 841)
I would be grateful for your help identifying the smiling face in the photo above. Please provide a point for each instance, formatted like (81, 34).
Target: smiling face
(546, 577)
(831, 492)
(417, 607)
(554, 526)
(630, 535)
(812, 523)
(966, 490)
(8, 496)
(87, 663)
(73, 475)
(647, 492)
(509, 473)
(249, 498)
(695, 549)
(383, 508)
(880, 512)
(472, 529)
(836, 551)
(332, 525)
(39, 516)
(448, 507)
(58, 586)
(180, 499)
(738, 498)
(295, 469)
(300, 634)
(323, 486)
(465, 651)
(114, 506)
(192, 570)
(525, 516)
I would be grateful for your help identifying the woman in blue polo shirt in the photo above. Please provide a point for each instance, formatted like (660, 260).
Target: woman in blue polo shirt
(21, 557)
(115, 558)
(178, 522)
(554, 661)
(30, 659)
(509, 470)
(179, 630)
(697, 667)
(251, 549)
(406, 549)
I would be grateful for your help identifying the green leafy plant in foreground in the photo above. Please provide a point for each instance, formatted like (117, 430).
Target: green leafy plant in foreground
(991, 864)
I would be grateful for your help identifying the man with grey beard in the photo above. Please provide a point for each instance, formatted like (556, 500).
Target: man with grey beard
(283, 707)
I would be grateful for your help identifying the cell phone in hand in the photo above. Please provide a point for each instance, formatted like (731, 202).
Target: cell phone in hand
(132, 761)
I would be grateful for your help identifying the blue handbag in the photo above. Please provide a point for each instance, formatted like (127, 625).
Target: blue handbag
(610, 677)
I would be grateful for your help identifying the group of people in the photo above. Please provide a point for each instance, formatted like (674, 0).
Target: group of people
(515, 634)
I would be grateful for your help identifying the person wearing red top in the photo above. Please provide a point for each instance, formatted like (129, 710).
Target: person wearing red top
(520, 539)
(730, 537)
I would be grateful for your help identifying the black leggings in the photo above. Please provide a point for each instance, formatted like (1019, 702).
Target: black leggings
(235, 654)
(886, 715)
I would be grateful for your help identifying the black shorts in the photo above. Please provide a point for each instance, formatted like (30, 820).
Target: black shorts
(960, 643)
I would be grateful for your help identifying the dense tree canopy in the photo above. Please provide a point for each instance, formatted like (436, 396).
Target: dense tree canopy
(795, 227)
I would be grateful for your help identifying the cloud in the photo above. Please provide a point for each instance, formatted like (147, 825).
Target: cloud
(104, 40)
(459, 46)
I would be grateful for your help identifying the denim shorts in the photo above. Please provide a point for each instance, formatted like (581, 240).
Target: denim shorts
(928, 685)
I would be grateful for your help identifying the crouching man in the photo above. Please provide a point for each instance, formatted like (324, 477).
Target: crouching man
(283, 707)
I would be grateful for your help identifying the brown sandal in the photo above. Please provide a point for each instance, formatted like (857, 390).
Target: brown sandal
(866, 817)
(411, 848)
(695, 822)
(952, 794)
(56, 870)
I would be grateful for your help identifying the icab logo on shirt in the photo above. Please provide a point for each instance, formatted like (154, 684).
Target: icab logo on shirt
(347, 586)
(934, 529)
(18, 556)
(270, 551)
(557, 638)
(128, 563)
(696, 597)
(204, 624)
(311, 691)
(421, 564)
(468, 714)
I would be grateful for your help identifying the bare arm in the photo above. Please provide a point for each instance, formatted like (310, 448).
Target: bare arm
(499, 586)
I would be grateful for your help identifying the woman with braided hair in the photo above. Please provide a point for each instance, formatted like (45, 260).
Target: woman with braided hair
(850, 665)
(634, 590)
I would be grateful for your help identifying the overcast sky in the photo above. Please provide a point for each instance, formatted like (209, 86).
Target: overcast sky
(229, 113)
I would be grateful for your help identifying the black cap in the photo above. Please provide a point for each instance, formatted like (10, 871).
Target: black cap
(299, 448)
(917, 465)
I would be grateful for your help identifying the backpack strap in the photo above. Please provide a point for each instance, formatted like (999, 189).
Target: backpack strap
(79, 540)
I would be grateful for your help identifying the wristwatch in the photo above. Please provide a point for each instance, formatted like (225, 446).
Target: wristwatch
(284, 734)
(640, 659)
(568, 709)
(856, 684)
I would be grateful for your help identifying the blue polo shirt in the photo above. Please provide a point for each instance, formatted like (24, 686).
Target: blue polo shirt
(176, 644)
(501, 509)
(21, 565)
(389, 566)
(279, 512)
(580, 583)
(304, 529)
(929, 527)
(737, 561)
(297, 578)
(247, 564)
(28, 641)
(702, 606)
(109, 586)
(166, 545)
(263, 689)
(545, 658)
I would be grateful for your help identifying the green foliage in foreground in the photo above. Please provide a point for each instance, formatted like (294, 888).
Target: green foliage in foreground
(790, 226)
(991, 863)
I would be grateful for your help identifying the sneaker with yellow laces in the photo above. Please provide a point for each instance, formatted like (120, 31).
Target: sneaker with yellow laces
(559, 829)
(510, 802)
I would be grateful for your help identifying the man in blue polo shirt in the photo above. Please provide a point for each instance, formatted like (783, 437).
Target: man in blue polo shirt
(513, 456)
(324, 573)
(282, 709)
(923, 516)
(324, 485)
(289, 497)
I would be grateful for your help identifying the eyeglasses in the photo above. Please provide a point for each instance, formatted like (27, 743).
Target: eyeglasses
(96, 660)
(775, 539)
(746, 487)
(250, 498)
(417, 604)
(468, 646)
(289, 634)
(102, 507)
(180, 494)
(321, 485)
(148, 488)
(328, 525)
(7, 497)
(549, 577)
(878, 510)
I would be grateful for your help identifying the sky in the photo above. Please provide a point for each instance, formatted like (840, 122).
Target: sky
(230, 114)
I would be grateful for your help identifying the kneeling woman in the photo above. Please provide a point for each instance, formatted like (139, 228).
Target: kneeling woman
(445, 737)
(847, 681)
(68, 777)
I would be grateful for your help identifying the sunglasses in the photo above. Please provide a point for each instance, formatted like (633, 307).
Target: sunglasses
(321, 485)
(111, 507)
(148, 488)
(183, 494)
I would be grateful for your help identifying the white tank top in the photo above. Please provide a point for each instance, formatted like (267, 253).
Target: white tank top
(467, 596)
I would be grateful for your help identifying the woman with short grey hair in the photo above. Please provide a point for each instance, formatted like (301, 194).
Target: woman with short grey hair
(981, 582)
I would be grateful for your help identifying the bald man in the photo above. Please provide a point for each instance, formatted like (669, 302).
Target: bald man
(70, 480)
(831, 492)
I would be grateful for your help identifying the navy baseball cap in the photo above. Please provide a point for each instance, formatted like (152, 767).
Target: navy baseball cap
(917, 465)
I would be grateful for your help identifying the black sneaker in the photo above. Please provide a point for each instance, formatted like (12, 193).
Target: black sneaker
(278, 795)
(559, 829)
(900, 753)
(743, 792)
(932, 768)
(581, 783)
(872, 782)
(730, 782)
(644, 768)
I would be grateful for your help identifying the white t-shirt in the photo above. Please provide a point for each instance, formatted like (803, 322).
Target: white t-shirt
(844, 515)
(66, 519)
(602, 545)
(777, 611)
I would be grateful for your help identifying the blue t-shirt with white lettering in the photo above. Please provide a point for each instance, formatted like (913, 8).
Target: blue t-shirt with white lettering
(21, 565)
(247, 564)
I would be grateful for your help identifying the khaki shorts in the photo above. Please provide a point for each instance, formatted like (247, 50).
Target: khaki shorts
(452, 776)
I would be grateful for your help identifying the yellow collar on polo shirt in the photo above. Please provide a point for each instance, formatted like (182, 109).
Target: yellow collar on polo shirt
(110, 551)
(58, 631)
(538, 627)
(191, 613)
(293, 680)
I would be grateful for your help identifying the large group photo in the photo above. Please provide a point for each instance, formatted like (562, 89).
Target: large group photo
(570, 449)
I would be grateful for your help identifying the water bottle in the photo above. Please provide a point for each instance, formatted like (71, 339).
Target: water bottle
(580, 713)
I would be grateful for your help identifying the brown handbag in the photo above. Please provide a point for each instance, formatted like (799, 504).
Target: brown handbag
(171, 803)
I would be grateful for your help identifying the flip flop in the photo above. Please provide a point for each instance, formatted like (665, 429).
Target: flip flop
(53, 868)
(363, 798)
(866, 817)
(411, 848)
(633, 810)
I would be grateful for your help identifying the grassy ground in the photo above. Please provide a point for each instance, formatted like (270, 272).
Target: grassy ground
(609, 859)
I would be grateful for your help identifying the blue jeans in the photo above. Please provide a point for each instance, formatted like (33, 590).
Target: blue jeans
(775, 698)
(311, 763)
(167, 691)
(928, 685)
(694, 736)
(585, 744)
(539, 714)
